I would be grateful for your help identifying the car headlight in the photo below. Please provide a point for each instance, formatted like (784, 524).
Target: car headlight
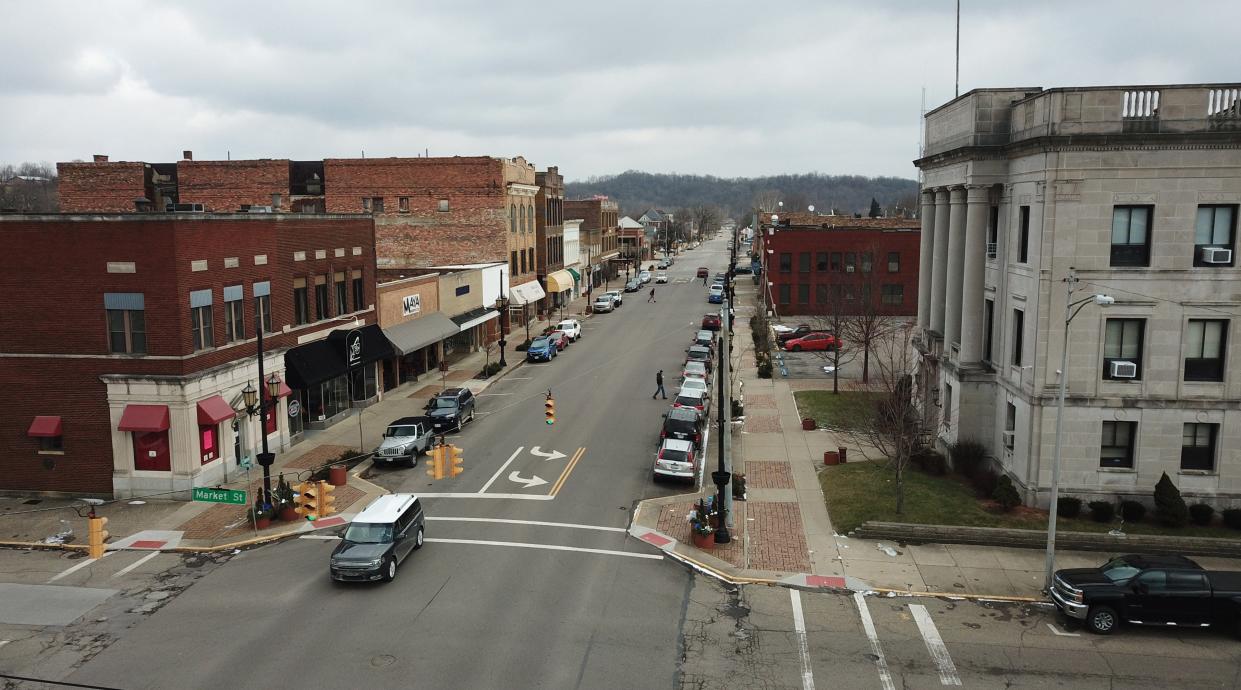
(375, 563)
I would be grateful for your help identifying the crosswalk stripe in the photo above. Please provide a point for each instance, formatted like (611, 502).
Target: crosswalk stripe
(885, 678)
(123, 571)
(803, 646)
(79, 566)
(935, 645)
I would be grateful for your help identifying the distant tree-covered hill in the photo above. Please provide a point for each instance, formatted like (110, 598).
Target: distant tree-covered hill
(637, 191)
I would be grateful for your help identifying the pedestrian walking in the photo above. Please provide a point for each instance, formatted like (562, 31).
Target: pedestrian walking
(652, 297)
(704, 281)
(659, 385)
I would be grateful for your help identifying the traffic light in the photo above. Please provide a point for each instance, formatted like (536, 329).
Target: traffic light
(325, 499)
(97, 536)
(549, 409)
(306, 499)
(455, 462)
(435, 465)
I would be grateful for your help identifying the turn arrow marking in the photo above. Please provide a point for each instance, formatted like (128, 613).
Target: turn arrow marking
(534, 480)
(554, 455)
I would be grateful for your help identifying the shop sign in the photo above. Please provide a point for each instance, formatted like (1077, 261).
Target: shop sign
(295, 408)
(353, 348)
(411, 304)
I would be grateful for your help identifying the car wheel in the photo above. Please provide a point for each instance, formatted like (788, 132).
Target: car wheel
(1102, 620)
(471, 415)
(418, 539)
(412, 461)
(390, 570)
(795, 348)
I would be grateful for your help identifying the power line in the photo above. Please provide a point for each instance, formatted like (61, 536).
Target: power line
(1161, 299)
(58, 682)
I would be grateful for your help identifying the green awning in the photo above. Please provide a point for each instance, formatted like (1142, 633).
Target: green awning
(577, 277)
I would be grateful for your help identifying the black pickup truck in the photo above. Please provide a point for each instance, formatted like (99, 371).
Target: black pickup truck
(1149, 590)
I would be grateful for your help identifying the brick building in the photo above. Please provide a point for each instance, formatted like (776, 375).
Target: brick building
(131, 382)
(816, 264)
(549, 212)
(600, 218)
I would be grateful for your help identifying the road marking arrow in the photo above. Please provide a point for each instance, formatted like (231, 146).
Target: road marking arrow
(535, 480)
(554, 455)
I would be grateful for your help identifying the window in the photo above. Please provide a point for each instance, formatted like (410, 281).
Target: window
(1204, 357)
(126, 322)
(1116, 447)
(1131, 236)
(786, 263)
(202, 327)
(893, 293)
(321, 300)
(894, 262)
(301, 306)
(988, 327)
(784, 294)
(234, 314)
(1023, 241)
(377, 204)
(803, 294)
(946, 416)
(868, 261)
(835, 262)
(522, 262)
(402, 204)
(275, 202)
(359, 291)
(512, 260)
(849, 293)
(366, 204)
(993, 232)
(1123, 343)
(803, 262)
(51, 444)
(1215, 228)
(1010, 426)
(443, 206)
(1198, 447)
(208, 442)
(512, 218)
(820, 261)
(342, 294)
(821, 294)
(1019, 318)
(850, 262)
(151, 451)
(530, 219)
(262, 311)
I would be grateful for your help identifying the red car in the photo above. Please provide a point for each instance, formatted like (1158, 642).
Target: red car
(711, 322)
(812, 341)
(560, 338)
(703, 271)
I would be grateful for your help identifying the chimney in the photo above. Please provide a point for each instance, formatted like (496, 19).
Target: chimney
(101, 158)
(187, 155)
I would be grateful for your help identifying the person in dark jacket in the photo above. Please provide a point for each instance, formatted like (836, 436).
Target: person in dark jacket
(659, 385)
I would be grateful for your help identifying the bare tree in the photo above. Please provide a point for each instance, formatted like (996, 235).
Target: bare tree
(835, 305)
(29, 188)
(766, 200)
(898, 427)
(868, 320)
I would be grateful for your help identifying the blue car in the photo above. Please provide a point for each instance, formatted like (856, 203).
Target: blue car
(542, 349)
(716, 295)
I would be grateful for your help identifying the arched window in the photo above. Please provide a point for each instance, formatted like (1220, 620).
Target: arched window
(512, 217)
(521, 213)
(530, 216)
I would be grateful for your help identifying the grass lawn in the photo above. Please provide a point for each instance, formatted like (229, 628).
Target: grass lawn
(863, 491)
(843, 410)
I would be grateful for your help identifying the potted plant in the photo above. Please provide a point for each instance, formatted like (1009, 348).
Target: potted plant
(283, 497)
(700, 530)
(261, 514)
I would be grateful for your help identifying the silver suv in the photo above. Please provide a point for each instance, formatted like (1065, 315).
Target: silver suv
(404, 440)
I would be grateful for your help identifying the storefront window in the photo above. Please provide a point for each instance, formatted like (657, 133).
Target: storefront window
(296, 422)
(151, 451)
(208, 440)
(364, 382)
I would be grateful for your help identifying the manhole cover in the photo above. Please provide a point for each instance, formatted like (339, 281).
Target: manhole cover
(383, 660)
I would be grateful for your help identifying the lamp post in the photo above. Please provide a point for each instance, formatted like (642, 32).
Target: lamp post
(502, 305)
(1071, 310)
(257, 404)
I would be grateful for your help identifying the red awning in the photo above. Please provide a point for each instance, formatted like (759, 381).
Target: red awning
(285, 391)
(45, 426)
(214, 410)
(144, 418)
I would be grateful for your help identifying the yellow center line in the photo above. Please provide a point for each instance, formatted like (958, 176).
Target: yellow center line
(567, 469)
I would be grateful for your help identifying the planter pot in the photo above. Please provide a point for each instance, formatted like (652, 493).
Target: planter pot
(703, 541)
(262, 523)
(831, 457)
(808, 424)
(289, 514)
(338, 475)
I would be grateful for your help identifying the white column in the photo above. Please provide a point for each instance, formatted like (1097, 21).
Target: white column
(925, 256)
(956, 257)
(939, 261)
(973, 274)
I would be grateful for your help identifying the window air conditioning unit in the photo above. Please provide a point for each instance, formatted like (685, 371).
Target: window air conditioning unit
(1216, 255)
(1124, 370)
(260, 209)
(1010, 439)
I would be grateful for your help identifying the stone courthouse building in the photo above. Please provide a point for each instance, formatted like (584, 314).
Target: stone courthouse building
(1133, 191)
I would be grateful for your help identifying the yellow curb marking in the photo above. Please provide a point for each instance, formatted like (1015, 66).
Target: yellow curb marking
(567, 469)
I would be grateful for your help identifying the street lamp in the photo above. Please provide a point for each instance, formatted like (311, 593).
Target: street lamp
(502, 305)
(1071, 310)
(257, 404)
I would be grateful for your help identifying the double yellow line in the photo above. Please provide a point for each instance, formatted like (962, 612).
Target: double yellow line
(567, 469)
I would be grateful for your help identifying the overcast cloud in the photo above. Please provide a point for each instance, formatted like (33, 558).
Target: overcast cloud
(716, 87)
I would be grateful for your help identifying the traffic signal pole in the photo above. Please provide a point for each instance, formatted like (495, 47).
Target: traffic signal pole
(722, 476)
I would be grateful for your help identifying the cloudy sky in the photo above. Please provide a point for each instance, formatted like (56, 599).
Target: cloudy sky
(719, 87)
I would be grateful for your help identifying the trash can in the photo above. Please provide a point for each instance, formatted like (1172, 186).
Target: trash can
(831, 457)
(843, 454)
(337, 475)
(808, 424)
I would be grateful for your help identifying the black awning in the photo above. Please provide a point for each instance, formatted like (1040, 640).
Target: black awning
(321, 360)
(471, 315)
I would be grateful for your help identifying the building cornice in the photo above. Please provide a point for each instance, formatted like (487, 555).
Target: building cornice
(1196, 141)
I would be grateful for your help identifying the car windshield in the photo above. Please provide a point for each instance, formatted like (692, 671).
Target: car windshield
(369, 533)
(674, 455)
(1119, 570)
(689, 401)
(445, 403)
(691, 367)
(540, 342)
(399, 431)
(557, 335)
(565, 325)
(695, 385)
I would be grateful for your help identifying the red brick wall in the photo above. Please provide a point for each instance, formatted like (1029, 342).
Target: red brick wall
(223, 186)
(794, 241)
(106, 187)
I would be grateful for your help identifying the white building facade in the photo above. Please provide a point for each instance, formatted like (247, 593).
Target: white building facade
(1134, 192)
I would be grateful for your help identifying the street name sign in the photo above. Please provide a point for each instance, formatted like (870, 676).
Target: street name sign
(202, 493)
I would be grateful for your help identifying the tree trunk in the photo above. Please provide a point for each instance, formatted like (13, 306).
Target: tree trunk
(900, 488)
(836, 370)
(866, 361)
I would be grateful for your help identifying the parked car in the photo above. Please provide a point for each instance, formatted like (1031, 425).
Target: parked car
(602, 303)
(542, 349)
(705, 338)
(1149, 590)
(812, 342)
(694, 370)
(711, 322)
(379, 538)
(618, 297)
(663, 263)
(633, 285)
(451, 409)
(721, 277)
(703, 272)
(784, 333)
(693, 398)
(700, 354)
(404, 440)
(716, 294)
(745, 269)
(571, 328)
(644, 277)
(661, 277)
(561, 339)
(683, 423)
(675, 460)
